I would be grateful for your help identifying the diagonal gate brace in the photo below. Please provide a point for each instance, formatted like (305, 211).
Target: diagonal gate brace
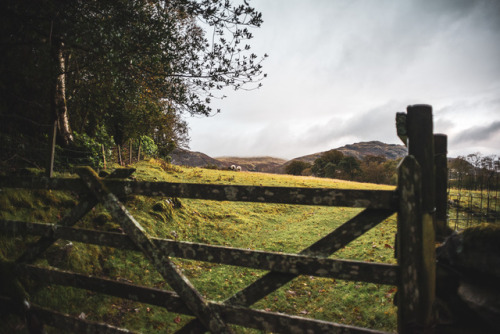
(329, 244)
(84, 206)
(191, 297)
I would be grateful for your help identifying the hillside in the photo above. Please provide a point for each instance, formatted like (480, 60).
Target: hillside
(184, 157)
(360, 150)
(254, 164)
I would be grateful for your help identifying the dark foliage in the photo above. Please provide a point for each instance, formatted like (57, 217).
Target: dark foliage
(128, 67)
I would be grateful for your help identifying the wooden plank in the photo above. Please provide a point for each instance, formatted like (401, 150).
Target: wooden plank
(35, 250)
(84, 206)
(258, 319)
(63, 184)
(441, 163)
(377, 199)
(334, 241)
(421, 146)
(284, 323)
(326, 246)
(41, 182)
(401, 127)
(158, 297)
(196, 303)
(69, 323)
(408, 243)
(94, 237)
(380, 199)
(52, 151)
(379, 273)
(75, 325)
(295, 264)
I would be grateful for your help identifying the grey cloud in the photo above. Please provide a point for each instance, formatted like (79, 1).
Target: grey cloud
(478, 133)
(334, 64)
(378, 123)
(375, 124)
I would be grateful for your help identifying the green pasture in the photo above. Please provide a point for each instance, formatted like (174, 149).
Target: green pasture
(273, 227)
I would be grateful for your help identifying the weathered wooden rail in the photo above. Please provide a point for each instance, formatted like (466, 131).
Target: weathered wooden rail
(414, 201)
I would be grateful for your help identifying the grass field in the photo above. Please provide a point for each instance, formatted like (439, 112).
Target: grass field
(275, 227)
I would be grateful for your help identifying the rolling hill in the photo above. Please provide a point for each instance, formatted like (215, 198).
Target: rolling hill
(360, 150)
(276, 165)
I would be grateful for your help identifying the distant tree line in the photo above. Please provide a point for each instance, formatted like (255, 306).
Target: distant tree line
(474, 172)
(335, 164)
(116, 72)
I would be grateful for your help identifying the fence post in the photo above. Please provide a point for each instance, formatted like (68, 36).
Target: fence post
(407, 243)
(119, 155)
(130, 151)
(421, 146)
(103, 156)
(441, 162)
(139, 151)
(50, 164)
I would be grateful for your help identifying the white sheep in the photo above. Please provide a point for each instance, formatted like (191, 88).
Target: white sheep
(233, 167)
(238, 168)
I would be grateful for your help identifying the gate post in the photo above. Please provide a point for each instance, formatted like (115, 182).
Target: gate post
(408, 242)
(441, 162)
(421, 146)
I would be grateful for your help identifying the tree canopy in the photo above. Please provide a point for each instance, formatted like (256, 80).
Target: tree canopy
(123, 68)
(327, 164)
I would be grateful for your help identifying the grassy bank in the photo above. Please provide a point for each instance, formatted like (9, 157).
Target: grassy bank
(275, 227)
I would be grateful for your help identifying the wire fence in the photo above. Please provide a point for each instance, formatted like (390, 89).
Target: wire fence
(31, 147)
(476, 204)
(31, 151)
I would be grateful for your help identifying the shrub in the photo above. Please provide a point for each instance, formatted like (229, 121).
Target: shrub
(296, 167)
(326, 164)
(148, 146)
(87, 151)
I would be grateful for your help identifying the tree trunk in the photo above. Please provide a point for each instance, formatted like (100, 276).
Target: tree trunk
(139, 151)
(60, 110)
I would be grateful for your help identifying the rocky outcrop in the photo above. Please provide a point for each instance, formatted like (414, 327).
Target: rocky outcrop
(468, 272)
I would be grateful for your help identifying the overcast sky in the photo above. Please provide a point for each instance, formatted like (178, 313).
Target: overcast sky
(339, 70)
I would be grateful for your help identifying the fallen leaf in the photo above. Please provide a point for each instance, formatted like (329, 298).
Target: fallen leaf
(177, 319)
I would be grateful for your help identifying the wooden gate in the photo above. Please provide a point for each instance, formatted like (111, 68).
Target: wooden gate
(414, 201)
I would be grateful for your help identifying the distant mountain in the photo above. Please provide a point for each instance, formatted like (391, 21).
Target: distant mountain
(183, 157)
(276, 165)
(361, 150)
